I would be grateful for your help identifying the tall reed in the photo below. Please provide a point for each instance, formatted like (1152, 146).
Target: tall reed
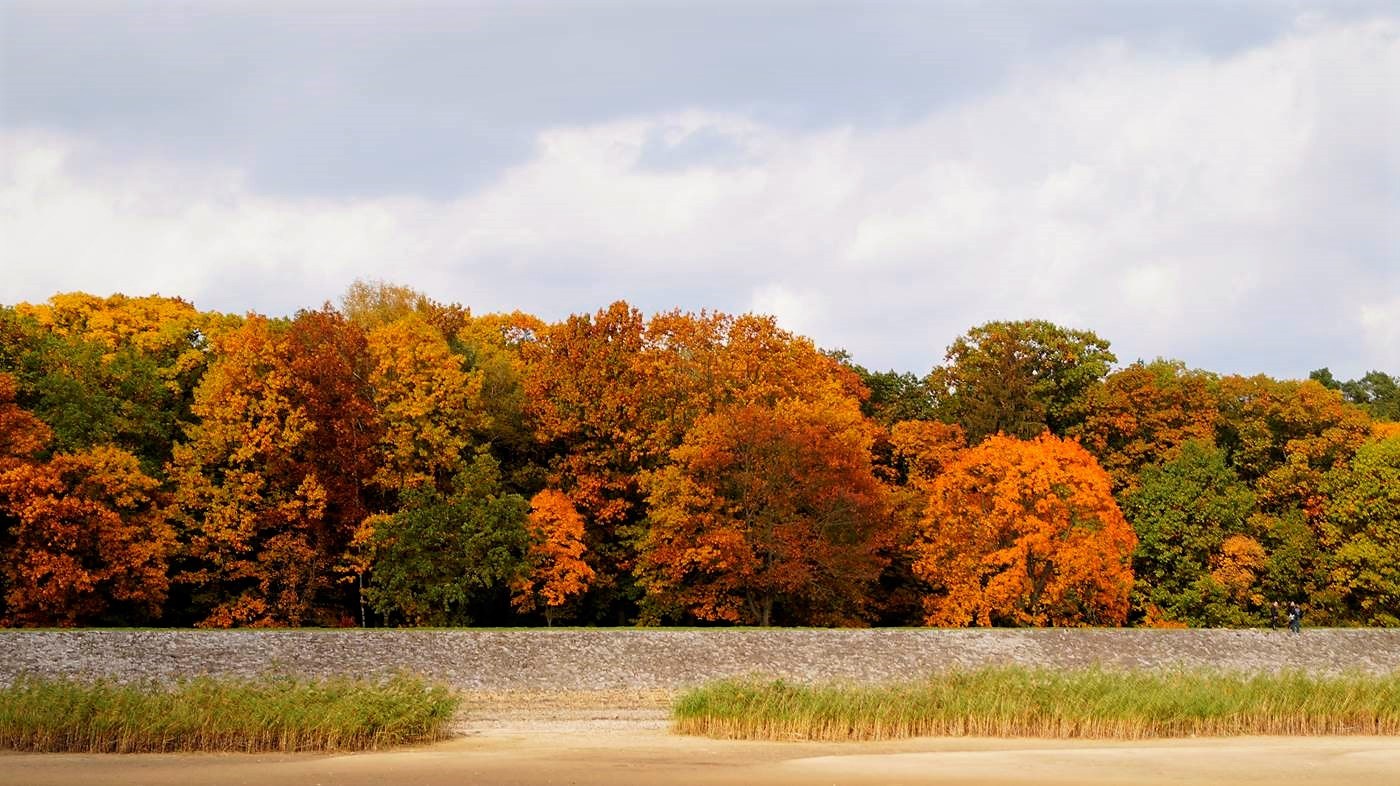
(207, 714)
(1019, 702)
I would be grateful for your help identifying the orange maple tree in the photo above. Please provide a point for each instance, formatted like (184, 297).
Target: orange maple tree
(22, 435)
(766, 513)
(1024, 533)
(555, 569)
(88, 538)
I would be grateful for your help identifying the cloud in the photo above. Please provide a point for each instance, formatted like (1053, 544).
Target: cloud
(1229, 210)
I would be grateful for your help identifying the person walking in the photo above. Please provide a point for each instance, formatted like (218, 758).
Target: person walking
(1295, 617)
(1275, 614)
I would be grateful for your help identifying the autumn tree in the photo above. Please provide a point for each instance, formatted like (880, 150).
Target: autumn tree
(92, 394)
(22, 435)
(440, 552)
(924, 449)
(1024, 533)
(1283, 436)
(1142, 415)
(613, 393)
(428, 403)
(1018, 378)
(493, 349)
(1361, 534)
(269, 483)
(555, 571)
(88, 542)
(1186, 512)
(765, 514)
(374, 304)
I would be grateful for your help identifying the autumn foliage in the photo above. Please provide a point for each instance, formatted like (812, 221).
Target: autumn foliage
(398, 460)
(1025, 533)
(555, 571)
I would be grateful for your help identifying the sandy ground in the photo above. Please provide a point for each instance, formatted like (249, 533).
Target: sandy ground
(510, 745)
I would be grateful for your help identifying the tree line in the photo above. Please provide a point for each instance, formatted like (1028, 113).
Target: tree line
(395, 460)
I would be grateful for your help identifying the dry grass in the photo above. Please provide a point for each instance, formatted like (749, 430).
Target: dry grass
(207, 714)
(1018, 702)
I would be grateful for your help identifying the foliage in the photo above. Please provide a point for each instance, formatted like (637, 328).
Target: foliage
(1024, 533)
(765, 513)
(556, 570)
(1376, 391)
(374, 304)
(89, 541)
(432, 557)
(1361, 533)
(1185, 512)
(269, 483)
(428, 403)
(924, 449)
(683, 466)
(22, 436)
(1019, 378)
(1282, 437)
(1143, 414)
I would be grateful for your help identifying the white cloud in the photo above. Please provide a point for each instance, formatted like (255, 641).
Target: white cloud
(1177, 207)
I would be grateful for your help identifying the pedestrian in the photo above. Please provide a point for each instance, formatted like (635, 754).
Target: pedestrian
(1274, 615)
(1295, 617)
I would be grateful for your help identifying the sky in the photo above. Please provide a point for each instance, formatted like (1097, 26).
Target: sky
(1212, 182)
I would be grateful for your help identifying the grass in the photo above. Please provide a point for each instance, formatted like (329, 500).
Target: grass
(207, 714)
(1019, 702)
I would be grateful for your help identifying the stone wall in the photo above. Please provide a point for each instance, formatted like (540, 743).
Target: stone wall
(635, 659)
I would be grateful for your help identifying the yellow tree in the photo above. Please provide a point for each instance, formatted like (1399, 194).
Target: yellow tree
(1284, 436)
(429, 405)
(555, 569)
(1024, 533)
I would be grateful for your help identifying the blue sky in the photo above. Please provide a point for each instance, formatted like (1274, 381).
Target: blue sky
(1215, 182)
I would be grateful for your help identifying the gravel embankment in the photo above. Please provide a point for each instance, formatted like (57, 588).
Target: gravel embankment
(661, 660)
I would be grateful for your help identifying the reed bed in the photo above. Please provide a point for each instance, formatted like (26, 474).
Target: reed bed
(1020, 702)
(207, 714)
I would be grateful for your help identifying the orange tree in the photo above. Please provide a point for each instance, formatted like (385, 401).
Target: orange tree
(269, 483)
(766, 514)
(1024, 533)
(612, 394)
(555, 571)
(88, 542)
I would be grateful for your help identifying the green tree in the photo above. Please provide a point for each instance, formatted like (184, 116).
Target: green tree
(439, 553)
(1019, 378)
(1184, 512)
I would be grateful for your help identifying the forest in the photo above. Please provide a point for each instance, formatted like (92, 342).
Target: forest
(393, 460)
